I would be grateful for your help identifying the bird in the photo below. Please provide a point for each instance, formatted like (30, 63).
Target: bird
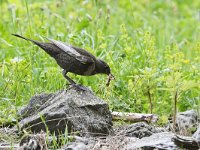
(73, 59)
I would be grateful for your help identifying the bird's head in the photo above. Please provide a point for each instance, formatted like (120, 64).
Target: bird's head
(104, 68)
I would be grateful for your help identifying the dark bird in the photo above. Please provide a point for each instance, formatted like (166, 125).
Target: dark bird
(73, 59)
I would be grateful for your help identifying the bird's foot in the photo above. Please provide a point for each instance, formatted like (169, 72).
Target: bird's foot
(78, 87)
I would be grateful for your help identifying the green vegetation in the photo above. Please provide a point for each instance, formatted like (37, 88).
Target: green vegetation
(153, 48)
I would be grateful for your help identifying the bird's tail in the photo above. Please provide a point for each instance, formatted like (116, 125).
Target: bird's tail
(17, 35)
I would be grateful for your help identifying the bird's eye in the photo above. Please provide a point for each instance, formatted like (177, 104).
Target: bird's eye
(106, 67)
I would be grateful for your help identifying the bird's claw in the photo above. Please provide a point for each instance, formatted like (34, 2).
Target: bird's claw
(78, 87)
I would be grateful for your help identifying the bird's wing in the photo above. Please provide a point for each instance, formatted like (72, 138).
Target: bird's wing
(71, 51)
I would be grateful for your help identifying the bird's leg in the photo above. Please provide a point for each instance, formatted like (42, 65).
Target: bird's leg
(66, 77)
(72, 82)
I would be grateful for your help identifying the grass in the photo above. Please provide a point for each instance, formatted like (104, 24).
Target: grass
(152, 47)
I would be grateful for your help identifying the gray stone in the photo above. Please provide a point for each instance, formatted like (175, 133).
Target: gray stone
(196, 135)
(161, 141)
(186, 123)
(79, 143)
(156, 141)
(127, 138)
(186, 142)
(75, 110)
(76, 146)
(139, 130)
(33, 142)
(106, 143)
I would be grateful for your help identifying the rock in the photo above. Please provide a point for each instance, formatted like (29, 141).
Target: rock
(125, 137)
(186, 142)
(33, 142)
(186, 122)
(192, 143)
(128, 138)
(73, 109)
(79, 143)
(95, 143)
(161, 141)
(139, 130)
(76, 146)
(196, 135)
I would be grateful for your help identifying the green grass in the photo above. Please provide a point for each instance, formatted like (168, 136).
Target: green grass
(152, 47)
